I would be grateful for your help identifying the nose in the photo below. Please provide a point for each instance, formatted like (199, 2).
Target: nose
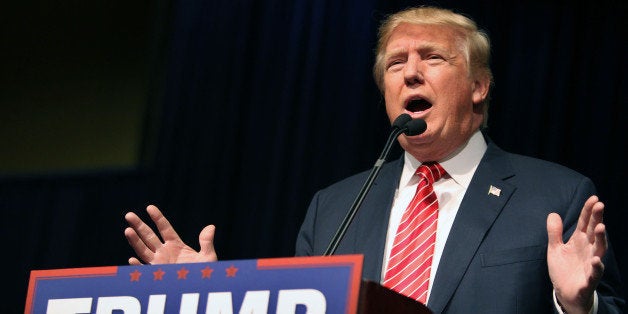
(412, 72)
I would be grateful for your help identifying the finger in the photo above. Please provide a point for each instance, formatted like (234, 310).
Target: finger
(140, 248)
(143, 231)
(601, 243)
(597, 217)
(554, 230)
(206, 241)
(585, 214)
(598, 268)
(166, 230)
(134, 261)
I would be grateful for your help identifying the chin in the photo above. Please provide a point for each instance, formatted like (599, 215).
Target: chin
(416, 141)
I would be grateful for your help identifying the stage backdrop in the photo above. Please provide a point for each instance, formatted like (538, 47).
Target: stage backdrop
(252, 106)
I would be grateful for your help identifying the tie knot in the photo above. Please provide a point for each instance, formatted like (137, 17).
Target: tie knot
(432, 171)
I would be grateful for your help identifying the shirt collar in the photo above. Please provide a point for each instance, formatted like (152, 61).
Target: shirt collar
(460, 165)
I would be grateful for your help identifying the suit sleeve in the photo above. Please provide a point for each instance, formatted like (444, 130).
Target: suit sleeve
(305, 238)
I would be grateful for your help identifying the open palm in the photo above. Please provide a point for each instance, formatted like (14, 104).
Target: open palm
(575, 267)
(151, 249)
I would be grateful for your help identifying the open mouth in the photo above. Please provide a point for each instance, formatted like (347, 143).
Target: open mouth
(418, 105)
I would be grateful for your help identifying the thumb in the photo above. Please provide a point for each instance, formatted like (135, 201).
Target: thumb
(554, 230)
(206, 241)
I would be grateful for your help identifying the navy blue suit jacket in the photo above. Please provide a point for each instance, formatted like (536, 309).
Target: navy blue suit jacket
(494, 260)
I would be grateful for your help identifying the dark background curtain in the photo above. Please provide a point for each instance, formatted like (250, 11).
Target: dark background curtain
(255, 105)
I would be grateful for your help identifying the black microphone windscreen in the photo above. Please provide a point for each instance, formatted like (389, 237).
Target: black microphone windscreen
(416, 127)
(401, 121)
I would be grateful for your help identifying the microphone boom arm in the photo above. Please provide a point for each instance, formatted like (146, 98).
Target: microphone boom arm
(333, 245)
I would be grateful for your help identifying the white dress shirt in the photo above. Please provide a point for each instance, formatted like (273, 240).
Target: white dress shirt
(450, 190)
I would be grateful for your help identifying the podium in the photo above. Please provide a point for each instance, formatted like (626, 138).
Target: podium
(321, 284)
(376, 299)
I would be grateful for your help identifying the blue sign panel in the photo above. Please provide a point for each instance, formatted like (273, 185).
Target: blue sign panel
(328, 284)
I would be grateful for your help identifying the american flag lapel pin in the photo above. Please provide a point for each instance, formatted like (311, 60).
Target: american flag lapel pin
(493, 190)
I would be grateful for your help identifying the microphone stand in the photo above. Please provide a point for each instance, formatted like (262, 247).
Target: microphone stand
(400, 125)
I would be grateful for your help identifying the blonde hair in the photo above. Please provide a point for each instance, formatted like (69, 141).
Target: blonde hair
(475, 43)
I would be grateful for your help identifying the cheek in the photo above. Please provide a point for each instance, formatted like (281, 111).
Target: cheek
(392, 92)
(390, 86)
(388, 103)
(459, 95)
(460, 110)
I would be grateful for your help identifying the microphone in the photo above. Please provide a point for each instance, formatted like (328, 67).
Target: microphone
(401, 121)
(402, 124)
(415, 127)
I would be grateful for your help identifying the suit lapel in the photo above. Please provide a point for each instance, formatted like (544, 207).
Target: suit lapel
(485, 198)
(372, 221)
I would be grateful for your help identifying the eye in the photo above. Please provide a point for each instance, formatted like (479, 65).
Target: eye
(395, 64)
(435, 57)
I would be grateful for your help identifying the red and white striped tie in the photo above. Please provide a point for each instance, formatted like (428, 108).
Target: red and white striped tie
(410, 260)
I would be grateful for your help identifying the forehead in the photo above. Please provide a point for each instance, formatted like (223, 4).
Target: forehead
(414, 36)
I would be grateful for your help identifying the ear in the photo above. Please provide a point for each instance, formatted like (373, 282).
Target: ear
(481, 86)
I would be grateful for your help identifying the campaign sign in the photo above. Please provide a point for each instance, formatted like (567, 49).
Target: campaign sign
(322, 284)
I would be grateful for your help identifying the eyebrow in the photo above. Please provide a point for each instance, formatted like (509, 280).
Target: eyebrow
(421, 47)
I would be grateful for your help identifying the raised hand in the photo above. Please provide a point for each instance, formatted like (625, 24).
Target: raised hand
(576, 267)
(167, 248)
